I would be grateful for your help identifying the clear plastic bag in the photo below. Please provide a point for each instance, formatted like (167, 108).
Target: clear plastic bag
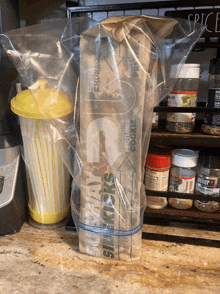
(109, 71)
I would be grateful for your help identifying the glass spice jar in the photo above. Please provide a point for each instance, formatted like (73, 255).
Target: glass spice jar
(212, 120)
(184, 94)
(208, 182)
(182, 176)
(155, 120)
(156, 175)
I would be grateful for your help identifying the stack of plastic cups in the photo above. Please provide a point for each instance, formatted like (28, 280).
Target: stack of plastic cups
(47, 177)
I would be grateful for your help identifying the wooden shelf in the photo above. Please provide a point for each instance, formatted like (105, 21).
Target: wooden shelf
(192, 213)
(197, 138)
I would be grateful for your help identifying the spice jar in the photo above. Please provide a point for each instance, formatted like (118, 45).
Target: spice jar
(182, 176)
(155, 120)
(208, 182)
(156, 175)
(212, 120)
(155, 67)
(184, 94)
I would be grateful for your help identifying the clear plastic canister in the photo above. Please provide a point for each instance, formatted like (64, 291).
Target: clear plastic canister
(184, 94)
(182, 176)
(48, 179)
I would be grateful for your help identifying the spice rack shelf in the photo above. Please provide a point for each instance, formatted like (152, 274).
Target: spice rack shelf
(183, 195)
(191, 219)
(191, 213)
(196, 139)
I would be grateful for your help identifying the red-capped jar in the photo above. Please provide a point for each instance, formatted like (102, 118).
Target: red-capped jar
(157, 175)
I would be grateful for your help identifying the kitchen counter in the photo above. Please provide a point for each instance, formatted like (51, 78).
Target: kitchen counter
(42, 261)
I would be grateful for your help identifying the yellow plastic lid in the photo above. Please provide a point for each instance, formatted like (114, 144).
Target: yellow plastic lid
(49, 219)
(51, 103)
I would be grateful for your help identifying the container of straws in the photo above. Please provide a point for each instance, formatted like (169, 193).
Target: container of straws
(48, 179)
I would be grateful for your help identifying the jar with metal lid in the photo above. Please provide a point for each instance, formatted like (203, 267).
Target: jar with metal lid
(182, 176)
(212, 120)
(208, 182)
(157, 175)
(184, 94)
(155, 120)
(157, 90)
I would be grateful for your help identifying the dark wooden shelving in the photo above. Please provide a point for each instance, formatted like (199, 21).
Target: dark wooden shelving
(187, 213)
(196, 139)
(214, 197)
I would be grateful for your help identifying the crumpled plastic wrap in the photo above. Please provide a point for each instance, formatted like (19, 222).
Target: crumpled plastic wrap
(109, 71)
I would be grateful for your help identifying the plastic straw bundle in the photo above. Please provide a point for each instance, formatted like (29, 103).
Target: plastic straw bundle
(47, 176)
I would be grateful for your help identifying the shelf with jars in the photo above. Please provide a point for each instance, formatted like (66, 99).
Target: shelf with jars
(192, 189)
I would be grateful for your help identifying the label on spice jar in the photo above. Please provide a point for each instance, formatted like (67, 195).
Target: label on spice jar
(213, 102)
(155, 118)
(206, 185)
(214, 98)
(156, 180)
(181, 184)
(182, 99)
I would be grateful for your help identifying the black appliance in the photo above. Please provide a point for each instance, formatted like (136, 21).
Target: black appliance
(12, 180)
